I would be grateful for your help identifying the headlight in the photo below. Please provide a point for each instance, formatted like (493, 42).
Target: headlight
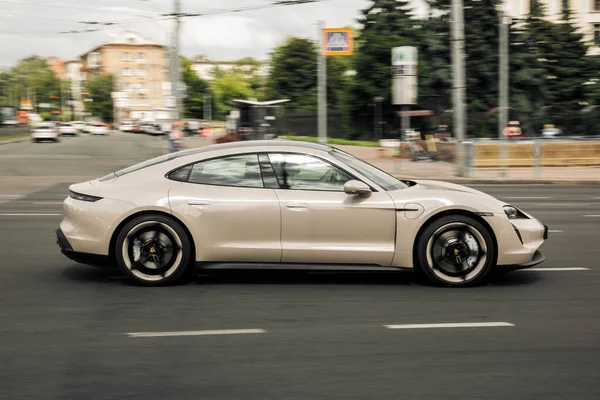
(83, 197)
(513, 213)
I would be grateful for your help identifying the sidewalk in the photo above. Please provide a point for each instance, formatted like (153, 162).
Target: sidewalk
(446, 171)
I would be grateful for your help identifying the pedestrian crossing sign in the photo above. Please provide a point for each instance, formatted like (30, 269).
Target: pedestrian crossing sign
(337, 42)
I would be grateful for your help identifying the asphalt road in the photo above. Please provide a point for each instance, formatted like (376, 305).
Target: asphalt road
(64, 326)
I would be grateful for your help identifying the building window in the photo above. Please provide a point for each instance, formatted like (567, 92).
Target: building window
(93, 59)
(125, 56)
(141, 57)
(597, 5)
(597, 34)
(142, 72)
(565, 5)
(126, 71)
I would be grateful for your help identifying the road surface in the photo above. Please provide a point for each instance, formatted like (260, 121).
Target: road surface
(70, 331)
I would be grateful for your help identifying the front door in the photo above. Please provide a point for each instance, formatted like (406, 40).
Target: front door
(322, 224)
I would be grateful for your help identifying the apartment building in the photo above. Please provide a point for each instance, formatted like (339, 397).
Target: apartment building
(585, 14)
(138, 67)
(205, 68)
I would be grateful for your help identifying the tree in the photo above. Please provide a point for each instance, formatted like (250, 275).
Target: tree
(196, 89)
(560, 53)
(30, 79)
(228, 87)
(294, 76)
(99, 89)
(385, 24)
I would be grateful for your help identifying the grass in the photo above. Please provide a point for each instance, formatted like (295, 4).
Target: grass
(338, 141)
(17, 136)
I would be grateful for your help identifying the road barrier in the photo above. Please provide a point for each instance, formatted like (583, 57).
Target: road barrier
(537, 153)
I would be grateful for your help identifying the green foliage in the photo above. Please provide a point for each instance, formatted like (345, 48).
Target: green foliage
(336, 141)
(30, 78)
(99, 89)
(228, 87)
(193, 105)
(294, 76)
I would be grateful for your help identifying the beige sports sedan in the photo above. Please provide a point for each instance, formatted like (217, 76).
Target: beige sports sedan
(289, 204)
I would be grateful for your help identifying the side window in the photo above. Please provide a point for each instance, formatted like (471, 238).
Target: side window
(241, 171)
(303, 172)
(181, 174)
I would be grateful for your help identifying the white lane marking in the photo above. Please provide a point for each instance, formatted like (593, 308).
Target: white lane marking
(196, 333)
(528, 198)
(561, 204)
(47, 202)
(556, 269)
(451, 325)
(29, 215)
(10, 195)
(592, 215)
(555, 231)
(595, 198)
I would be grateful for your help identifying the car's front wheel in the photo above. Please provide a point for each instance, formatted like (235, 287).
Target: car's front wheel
(154, 250)
(455, 251)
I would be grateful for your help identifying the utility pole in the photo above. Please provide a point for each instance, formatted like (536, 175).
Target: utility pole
(207, 105)
(175, 72)
(322, 87)
(458, 82)
(503, 88)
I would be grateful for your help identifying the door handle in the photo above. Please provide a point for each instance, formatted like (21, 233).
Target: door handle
(198, 202)
(291, 204)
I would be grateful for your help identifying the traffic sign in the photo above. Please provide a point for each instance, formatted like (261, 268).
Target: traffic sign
(337, 42)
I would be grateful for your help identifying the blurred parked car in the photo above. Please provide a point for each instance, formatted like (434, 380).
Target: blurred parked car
(67, 128)
(126, 127)
(98, 128)
(44, 131)
(79, 125)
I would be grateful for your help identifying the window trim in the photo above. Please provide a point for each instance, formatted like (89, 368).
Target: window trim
(353, 176)
(265, 185)
(167, 175)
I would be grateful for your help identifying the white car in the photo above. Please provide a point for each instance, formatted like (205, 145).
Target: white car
(262, 203)
(68, 129)
(98, 128)
(79, 125)
(44, 131)
(126, 127)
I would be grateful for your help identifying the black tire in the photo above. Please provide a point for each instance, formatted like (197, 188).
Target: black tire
(455, 251)
(162, 244)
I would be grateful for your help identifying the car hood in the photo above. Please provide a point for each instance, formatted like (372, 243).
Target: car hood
(447, 195)
(439, 185)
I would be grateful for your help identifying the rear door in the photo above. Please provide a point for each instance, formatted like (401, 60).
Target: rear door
(232, 216)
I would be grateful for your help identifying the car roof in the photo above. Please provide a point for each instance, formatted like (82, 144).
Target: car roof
(254, 143)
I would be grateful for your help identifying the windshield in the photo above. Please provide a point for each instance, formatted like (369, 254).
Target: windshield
(386, 181)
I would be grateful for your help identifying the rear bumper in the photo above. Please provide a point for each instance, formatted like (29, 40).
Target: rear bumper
(538, 258)
(96, 260)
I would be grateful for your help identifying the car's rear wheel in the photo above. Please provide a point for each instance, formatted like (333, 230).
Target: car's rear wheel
(456, 251)
(155, 250)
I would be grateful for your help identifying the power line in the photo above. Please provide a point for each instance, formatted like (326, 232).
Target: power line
(278, 3)
(52, 5)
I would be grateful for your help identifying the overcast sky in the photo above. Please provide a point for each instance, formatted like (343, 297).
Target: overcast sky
(30, 27)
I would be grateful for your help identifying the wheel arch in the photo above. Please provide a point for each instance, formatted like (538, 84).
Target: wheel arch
(450, 212)
(115, 234)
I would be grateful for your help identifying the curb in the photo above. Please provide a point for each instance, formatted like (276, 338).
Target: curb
(11, 141)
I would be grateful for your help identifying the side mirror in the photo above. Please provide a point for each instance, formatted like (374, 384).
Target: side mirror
(359, 188)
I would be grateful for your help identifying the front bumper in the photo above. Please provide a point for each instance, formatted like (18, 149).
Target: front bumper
(538, 258)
